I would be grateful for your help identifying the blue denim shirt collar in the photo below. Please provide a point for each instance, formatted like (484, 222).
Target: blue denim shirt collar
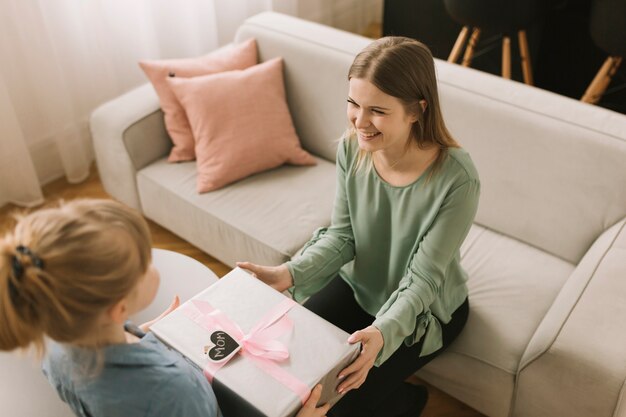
(148, 352)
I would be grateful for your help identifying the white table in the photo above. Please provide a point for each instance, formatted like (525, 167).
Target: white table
(180, 275)
(24, 391)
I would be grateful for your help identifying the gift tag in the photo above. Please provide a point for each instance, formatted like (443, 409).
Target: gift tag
(222, 347)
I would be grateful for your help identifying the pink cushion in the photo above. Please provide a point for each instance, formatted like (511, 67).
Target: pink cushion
(241, 123)
(227, 58)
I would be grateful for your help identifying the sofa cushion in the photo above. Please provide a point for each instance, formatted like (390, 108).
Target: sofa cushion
(253, 219)
(505, 310)
(551, 169)
(240, 122)
(317, 59)
(226, 58)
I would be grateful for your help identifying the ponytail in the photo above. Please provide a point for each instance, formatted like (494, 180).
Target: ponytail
(20, 324)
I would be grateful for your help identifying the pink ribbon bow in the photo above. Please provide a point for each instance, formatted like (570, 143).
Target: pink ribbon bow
(259, 345)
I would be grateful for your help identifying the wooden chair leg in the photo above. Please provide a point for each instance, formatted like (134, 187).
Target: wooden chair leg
(602, 80)
(469, 51)
(525, 57)
(458, 45)
(506, 57)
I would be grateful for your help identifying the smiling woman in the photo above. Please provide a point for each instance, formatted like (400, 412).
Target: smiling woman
(381, 121)
(388, 268)
(404, 99)
(382, 129)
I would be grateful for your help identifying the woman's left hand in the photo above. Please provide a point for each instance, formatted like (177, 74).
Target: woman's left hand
(371, 343)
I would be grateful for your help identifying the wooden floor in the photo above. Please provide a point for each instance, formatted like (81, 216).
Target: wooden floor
(439, 405)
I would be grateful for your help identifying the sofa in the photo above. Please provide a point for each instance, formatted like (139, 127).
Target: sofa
(546, 257)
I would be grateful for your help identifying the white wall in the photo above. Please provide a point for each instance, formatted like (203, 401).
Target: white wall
(350, 15)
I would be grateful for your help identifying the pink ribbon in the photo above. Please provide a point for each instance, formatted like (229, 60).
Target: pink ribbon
(259, 345)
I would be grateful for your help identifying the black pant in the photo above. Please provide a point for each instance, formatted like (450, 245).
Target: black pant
(384, 392)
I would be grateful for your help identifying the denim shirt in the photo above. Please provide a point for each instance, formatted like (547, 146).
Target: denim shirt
(130, 380)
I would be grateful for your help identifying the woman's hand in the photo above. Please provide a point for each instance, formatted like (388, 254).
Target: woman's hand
(173, 306)
(277, 277)
(371, 343)
(309, 409)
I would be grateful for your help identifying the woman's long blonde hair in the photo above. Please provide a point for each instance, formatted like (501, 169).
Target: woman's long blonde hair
(404, 68)
(62, 267)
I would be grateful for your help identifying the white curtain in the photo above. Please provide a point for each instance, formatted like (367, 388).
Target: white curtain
(60, 59)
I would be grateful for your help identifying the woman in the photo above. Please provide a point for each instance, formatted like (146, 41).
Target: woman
(388, 268)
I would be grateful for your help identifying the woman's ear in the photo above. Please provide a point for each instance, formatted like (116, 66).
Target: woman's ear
(416, 111)
(118, 312)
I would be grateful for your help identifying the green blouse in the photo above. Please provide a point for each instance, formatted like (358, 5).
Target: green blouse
(397, 247)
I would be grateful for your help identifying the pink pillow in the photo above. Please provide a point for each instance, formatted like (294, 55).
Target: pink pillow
(241, 123)
(227, 58)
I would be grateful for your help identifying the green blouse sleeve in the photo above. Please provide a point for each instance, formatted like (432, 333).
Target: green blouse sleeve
(397, 318)
(330, 248)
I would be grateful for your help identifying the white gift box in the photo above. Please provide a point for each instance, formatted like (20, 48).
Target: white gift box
(247, 385)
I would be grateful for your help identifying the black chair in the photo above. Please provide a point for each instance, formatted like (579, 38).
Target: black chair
(498, 16)
(608, 31)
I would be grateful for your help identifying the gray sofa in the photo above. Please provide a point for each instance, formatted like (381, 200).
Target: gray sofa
(546, 257)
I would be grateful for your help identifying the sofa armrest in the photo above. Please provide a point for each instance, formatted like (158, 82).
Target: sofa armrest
(577, 353)
(128, 133)
(620, 410)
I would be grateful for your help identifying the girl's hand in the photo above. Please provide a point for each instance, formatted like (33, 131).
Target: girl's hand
(146, 326)
(277, 277)
(372, 342)
(309, 409)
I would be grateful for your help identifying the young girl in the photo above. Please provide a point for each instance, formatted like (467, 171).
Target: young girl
(388, 268)
(74, 274)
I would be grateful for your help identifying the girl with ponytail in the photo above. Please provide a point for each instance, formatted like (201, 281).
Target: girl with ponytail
(70, 277)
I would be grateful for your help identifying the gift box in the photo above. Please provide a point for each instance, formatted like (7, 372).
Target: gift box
(261, 351)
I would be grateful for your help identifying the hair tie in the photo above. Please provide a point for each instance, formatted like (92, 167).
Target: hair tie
(18, 268)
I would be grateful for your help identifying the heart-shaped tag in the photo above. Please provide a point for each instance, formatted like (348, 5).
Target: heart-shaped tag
(224, 346)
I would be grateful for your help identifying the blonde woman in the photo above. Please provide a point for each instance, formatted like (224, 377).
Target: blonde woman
(74, 274)
(387, 270)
